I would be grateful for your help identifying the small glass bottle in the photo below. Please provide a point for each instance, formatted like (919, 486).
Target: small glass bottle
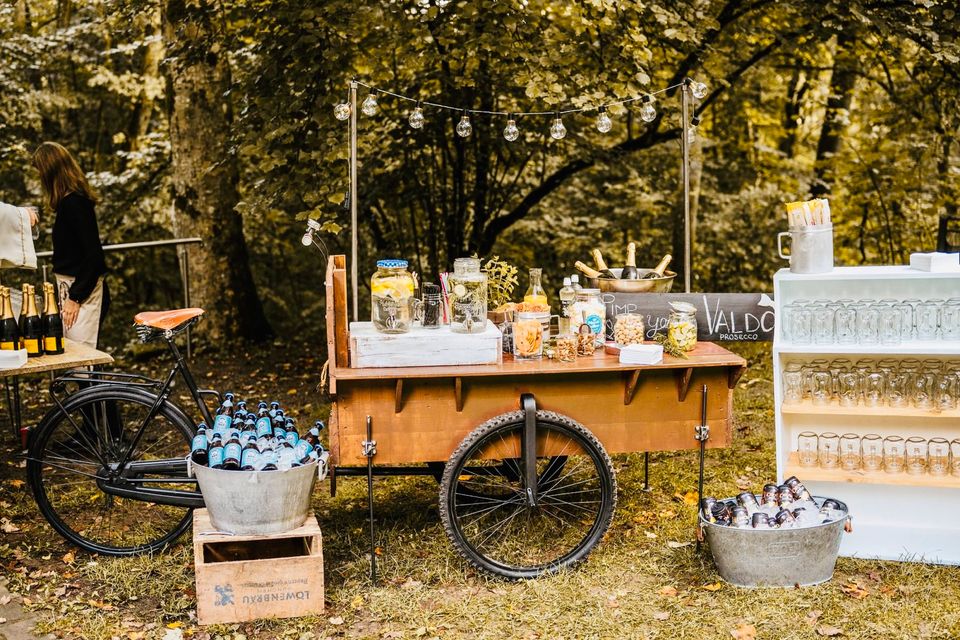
(468, 296)
(575, 282)
(682, 325)
(568, 295)
(535, 293)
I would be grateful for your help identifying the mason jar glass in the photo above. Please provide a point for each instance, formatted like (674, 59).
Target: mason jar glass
(845, 322)
(927, 319)
(849, 452)
(916, 455)
(871, 452)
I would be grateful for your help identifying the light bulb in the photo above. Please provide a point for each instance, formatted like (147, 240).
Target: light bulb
(510, 132)
(557, 130)
(307, 239)
(698, 89)
(342, 111)
(604, 123)
(369, 106)
(464, 128)
(416, 117)
(648, 112)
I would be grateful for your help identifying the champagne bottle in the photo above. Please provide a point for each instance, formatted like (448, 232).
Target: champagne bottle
(51, 323)
(9, 331)
(601, 265)
(629, 271)
(31, 332)
(659, 269)
(588, 271)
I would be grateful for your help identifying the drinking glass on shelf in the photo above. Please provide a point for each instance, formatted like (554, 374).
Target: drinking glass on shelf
(924, 384)
(916, 455)
(807, 444)
(828, 450)
(821, 322)
(845, 322)
(868, 321)
(950, 319)
(872, 387)
(927, 319)
(890, 324)
(906, 308)
(810, 368)
(822, 390)
(945, 391)
(848, 389)
(836, 367)
(864, 367)
(955, 457)
(910, 368)
(938, 456)
(893, 454)
(871, 452)
(792, 383)
(797, 322)
(849, 452)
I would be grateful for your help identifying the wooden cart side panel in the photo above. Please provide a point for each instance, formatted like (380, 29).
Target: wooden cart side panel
(338, 341)
(429, 427)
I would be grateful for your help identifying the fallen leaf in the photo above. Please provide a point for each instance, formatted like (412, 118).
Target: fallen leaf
(3, 620)
(744, 631)
(668, 591)
(661, 615)
(650, 534)
(16, 484)
(337, 621)
(291, 392)
(813, 616)
(68, 557)
(410, 583)
(873, 575)
(357, 602)
(8, 527)
(744, 483)
(174, 625)
(678, 545)
(855, 591)
(690, 497)
(667, 514)
(828, 631)
(5, 600)
(716, 586)
(420, 632)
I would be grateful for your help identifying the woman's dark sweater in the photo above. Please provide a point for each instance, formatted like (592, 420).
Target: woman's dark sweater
(77, 250)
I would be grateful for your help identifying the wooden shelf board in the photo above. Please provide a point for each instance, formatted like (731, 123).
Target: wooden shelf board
(867, 272)
(816, 474)
(911, 348)
(808, 408)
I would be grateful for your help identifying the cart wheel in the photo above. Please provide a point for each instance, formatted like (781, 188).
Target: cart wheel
(484, 507)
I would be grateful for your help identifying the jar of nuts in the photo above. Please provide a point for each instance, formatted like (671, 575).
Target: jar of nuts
(586, 341)
(628, 329)
(566, 347)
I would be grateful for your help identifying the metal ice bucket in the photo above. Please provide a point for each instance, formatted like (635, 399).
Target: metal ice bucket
(811, 248)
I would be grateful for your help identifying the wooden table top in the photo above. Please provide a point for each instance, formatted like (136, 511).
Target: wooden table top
(75, 354)
(706, 354)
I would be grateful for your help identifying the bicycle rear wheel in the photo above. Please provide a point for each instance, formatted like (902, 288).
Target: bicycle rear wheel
(75, 450)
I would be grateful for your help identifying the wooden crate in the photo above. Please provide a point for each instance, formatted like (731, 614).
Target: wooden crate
(242, 578)
(423, 347)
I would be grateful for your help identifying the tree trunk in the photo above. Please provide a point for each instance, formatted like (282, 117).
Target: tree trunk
(143, 112)
(205, 173)
(791, 116)
(842, 82)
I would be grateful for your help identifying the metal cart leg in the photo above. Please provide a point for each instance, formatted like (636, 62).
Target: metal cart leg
(702, 435)
(529, 446)
(370, 450)
(646, 471)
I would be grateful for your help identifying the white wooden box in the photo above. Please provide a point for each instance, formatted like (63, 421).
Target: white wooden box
(423, 347)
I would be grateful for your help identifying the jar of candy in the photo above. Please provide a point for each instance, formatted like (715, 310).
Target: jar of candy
(468, 296)
(593, 313)
(682, 325)
(628, 329)
(392, 304)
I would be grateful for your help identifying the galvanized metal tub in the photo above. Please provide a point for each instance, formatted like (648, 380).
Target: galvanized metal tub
(257, 502)
(663, 284)
(776, 557)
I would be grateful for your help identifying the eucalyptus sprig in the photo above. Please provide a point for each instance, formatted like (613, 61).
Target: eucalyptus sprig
(670, 345)
(501, 281)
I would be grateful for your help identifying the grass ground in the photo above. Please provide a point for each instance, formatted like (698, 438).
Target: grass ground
(646, 579)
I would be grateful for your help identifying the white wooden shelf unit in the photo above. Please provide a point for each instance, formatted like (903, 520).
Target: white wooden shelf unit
(895, 516)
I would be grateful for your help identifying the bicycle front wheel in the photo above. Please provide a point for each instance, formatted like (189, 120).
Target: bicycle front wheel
(485, 507)
(78, 448)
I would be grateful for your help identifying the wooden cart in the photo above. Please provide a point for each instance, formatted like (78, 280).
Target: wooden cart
(521, 448)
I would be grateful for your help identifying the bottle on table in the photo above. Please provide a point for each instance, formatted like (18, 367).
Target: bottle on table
(9, 330)
(658, 270)
(51, 322)
(568, 296)
(198, 451)
(31, 332)
(224, 417)
(590, 272)
(629, 271)
(575, 282)
(535, 293)
(601, 265)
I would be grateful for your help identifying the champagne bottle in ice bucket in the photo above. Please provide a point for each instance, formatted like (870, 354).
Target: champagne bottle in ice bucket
(659, 269)
(601, 265)
(629, 271)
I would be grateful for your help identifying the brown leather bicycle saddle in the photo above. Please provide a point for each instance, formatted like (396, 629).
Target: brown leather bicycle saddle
(167, 320)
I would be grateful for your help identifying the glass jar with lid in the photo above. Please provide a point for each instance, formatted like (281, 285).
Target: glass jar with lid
(593, 313)
(392, 301)
(468, 296)
(682, 325)
(628, 329)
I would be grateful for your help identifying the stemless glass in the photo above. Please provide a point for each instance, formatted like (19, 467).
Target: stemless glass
(945, 391)
(871, 452)
(955, 457)
(838, 366)
(845, 322)
(890, 323)
(849, 452)
(950, 319)
(807, 444)
(893, 454)
(910, 368)
(797, 322)
(821, 322)
(868, 321)
(810, 368)
(906, 308)
(938, 456)
(916, 454)
(927, 319)
(828, 450)
(821, 390)
(872, 387)
(924, 384)
(848, 389)
(792, 383)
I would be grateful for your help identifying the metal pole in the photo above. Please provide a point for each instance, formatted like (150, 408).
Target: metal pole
(353, 196)
(685, 170)
(370, 450)
(186, 294)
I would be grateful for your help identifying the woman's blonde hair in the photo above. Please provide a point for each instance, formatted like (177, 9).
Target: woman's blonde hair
(60, 174)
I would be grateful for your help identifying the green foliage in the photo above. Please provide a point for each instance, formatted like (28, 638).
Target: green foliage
(501, 281)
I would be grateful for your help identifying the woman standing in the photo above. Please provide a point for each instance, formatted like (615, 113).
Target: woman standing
(78, 262)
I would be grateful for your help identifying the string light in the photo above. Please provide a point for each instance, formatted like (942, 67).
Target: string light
(369, 106)
(604, 123)
(341, 111)
(648, 112)
(464, 128)
(510, 132)
(692, 130)
(557, 130)
(698, 89)
(416, 117)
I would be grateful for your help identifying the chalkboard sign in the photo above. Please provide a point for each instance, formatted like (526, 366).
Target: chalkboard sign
(721, 317)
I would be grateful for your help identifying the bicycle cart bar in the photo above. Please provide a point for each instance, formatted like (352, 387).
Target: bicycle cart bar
(176, 480)
(370, 450)
(385, 471)
(646, 471)
(529, 447)
(172, 465)
(172, 497)
(105, 377)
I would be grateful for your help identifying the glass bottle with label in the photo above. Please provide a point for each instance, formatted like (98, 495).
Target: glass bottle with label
(391, 305)
(593, 313)
(468, 296)
(568, 296)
